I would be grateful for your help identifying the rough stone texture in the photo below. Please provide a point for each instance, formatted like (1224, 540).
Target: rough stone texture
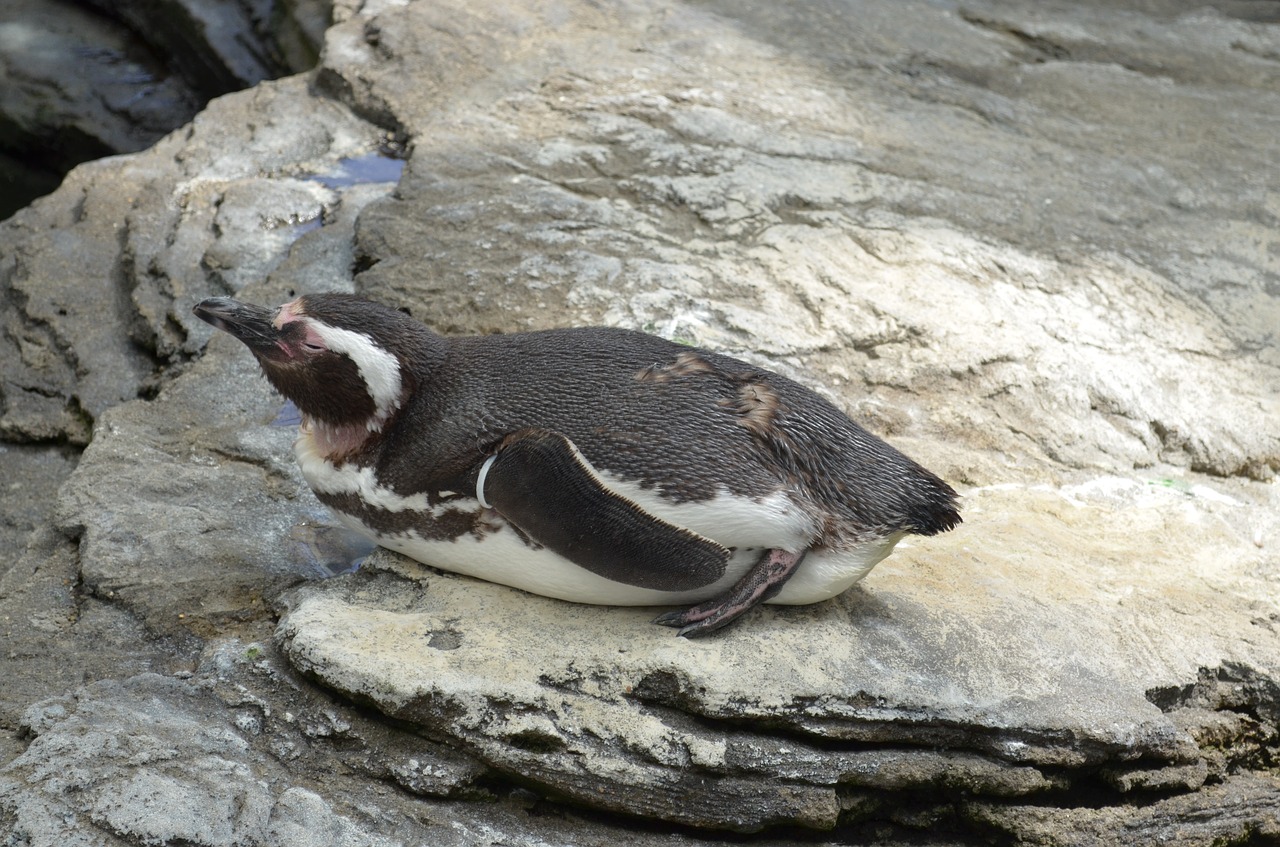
(99, 278)
(82, 80)
(217, 757)
(1035, 684)
(75, 87)
(726, 185)
(1034, 244)
(32, 476)
(220, 46)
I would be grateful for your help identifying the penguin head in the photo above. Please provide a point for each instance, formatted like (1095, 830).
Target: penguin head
(344, 361)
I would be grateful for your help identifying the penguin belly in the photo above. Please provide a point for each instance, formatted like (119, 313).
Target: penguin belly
(457, 534)
(504, 557)
(828, 573)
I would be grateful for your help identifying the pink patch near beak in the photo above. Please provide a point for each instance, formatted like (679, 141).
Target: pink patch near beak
(290, 311)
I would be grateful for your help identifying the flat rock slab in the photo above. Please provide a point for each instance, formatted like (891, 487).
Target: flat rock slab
(1065, 656)
(1032, 244)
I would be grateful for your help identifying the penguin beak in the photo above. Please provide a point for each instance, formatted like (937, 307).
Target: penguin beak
(247, 322)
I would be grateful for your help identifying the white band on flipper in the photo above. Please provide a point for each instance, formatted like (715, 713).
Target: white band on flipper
(484, 472)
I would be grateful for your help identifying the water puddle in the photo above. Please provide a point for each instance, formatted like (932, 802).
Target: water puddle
(322, 550)
(369, 169)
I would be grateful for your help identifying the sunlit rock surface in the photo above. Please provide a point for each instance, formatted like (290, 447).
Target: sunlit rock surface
(1034, 245)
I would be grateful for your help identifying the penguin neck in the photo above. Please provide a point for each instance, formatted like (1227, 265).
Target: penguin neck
(337, 443)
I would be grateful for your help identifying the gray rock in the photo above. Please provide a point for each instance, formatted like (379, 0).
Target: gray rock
(82, 84)
(1031, 244)
(77, 87)
(220, 46)
(903, 686)
(754, 188)
(242, 752)
(32, 476)
(156, 760)
(100, 278)
(56, 638)
(103, 586)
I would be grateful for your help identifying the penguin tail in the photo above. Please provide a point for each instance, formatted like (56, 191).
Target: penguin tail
(937, 512)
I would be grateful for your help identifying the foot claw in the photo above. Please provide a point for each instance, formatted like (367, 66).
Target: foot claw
(696, 621)
(708, 625)
(671, 619)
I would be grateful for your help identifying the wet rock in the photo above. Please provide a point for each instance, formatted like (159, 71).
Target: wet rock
(99, 279)
(78, 86)
(117, 582)
(87, 80)
(997, 233)
(224, 46)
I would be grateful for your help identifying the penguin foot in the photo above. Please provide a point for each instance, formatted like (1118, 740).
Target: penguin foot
(760, 583)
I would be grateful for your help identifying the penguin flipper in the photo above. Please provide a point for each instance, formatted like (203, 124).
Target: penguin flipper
(539, 482)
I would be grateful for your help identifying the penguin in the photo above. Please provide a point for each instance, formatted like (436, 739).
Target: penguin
(595, 465)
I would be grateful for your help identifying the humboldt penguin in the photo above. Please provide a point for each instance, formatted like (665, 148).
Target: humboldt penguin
(595, 465)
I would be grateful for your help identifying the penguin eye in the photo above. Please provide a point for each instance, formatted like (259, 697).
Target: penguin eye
(312, 348)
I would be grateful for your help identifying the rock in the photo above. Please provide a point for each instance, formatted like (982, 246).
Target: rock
(224, 46)
(84, 83)
(101, 277)
(715, 186)
(1031, 245)
(32, 477)
(78, 87)
(92, 292)
(153, 759)
(1243, 807)
(244, 752)
(1024, 688)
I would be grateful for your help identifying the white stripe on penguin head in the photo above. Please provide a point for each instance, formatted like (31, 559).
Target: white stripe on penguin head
(379, 369)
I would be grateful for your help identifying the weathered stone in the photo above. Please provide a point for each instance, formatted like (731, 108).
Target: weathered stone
(220, 46)
(82, 83)
(145, 537)
(55, 638)
(1033, 245)
(32, 476)
(99, 279)
(242, 752)
(1241, 810)
(156, 760)
(715, 186)
(866, 688)
(122, 584)
(78, 86)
